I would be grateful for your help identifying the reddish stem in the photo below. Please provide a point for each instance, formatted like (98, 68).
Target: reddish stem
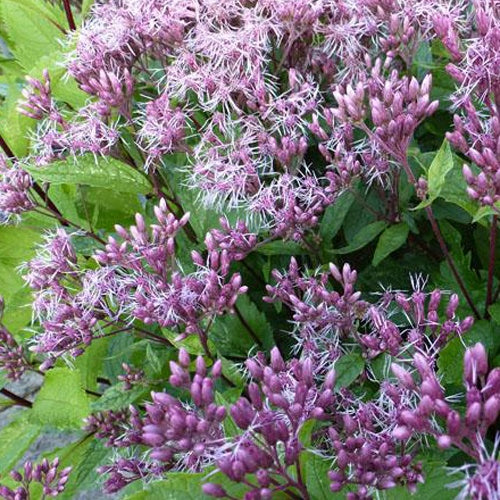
(491, 266)
(69, 15)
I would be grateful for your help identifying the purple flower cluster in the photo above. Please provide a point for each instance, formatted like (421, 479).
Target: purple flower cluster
(139, 278)
(475, 69)
(15, 184)
(482, 397)
(282, 397)
(52, 479)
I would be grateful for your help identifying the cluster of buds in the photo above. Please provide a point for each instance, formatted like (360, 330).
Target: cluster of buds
(111, 426)
(237, 242)
(52, 480)
(113, 90)
(15, 184)
(425, 329)
(37, 101)
(366, 453)
(12, 357)
(178, 432)
(397, 105)
(286, 150)
(282, 397)
(322, 315)
(131, 377)
(479, 138)
(482, 399)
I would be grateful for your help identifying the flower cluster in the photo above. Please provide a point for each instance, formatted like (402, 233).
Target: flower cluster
(48, 474)
(15, 197)
(282, 397)
(139, 279)
(482, 396)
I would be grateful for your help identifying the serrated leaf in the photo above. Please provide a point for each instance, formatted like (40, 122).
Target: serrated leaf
(390, 240)
(363, 237)
(84, 457)
(100, 172)
(116, 397)
(348, 368)
(315, 471)
(234, 336)
(32, 29)
(61, 402)
(15, 439)
(436, 175)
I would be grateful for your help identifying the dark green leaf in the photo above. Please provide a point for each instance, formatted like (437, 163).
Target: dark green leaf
(367, 234)
(334, 216)
(390, 240)
(348, 368)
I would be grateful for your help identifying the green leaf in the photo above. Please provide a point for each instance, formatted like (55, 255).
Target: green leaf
(363, 237)
(101, 172)
(494, 311)
(436, 485)
(316, 472)
(390, 240)
(179, 485)
(281, 248)
(84, 457)
(116, 397)
(15, 439)
(436, 175)
(90, 363)
(348, 368)
(17, 245)
(61, 402)
(32, 28)
(235, 336)
(334, 216)
(450, 362)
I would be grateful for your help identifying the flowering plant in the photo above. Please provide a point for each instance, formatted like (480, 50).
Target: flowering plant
(249, 248)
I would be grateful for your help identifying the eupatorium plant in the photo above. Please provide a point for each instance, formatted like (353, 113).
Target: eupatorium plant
(249, 248)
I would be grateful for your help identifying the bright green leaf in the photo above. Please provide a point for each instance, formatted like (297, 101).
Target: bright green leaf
(32, 29)
(116, 397)
(61, 402)
(436, 175)
(390, 240)
(101, 172)
(15, 439)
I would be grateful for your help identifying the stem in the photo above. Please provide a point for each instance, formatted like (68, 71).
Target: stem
(442, 243)
(491, 266)
(249, 329)
(450, 261)
(17, 399)
(38, 189)
(68, 223)
(69, 15)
